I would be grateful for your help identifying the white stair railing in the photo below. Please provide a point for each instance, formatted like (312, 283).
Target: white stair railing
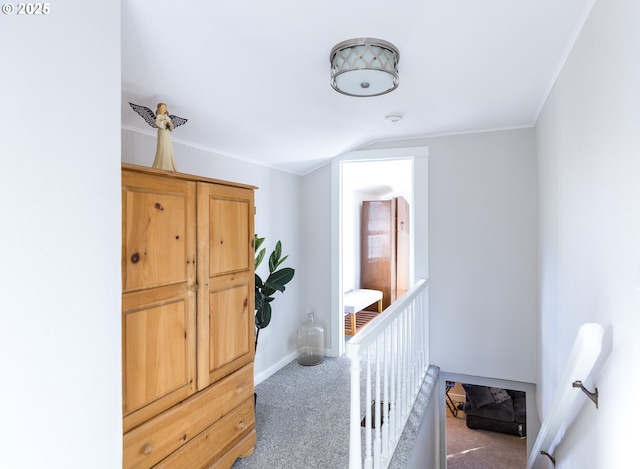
(394, 348)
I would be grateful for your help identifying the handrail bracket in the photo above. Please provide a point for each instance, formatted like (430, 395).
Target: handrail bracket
(551, 458)
(592, 395)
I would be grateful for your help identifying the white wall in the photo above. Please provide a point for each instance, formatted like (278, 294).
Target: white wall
(60, 355)
(351, 232)
(482, 249)
(316, 234)
(426, 453)
(482, 219)
(588, 147)
(278, 209)
(482, 252)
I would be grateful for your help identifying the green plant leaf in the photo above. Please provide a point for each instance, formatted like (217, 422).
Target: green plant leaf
(268, 291)
(259, 299)
(277, 280)
(257, 242)
(275, 256)
(263, 316)
(258, 281)
(279, 262)
(259, 257)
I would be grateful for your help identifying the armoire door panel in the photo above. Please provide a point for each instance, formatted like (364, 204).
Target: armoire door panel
(158, 350)
(225, 276)
(158, 231)
(228, 251)
(229, 231)
(385, 248)
(229, 322)
(378, 249)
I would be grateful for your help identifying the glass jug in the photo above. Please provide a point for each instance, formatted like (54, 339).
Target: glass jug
(310, 342)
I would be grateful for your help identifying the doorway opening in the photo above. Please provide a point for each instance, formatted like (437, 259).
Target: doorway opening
(376, 214)
(375, 175)
(486, 422)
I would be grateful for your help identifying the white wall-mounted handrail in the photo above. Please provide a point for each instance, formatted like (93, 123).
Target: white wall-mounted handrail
(584, 354)
(394, 349)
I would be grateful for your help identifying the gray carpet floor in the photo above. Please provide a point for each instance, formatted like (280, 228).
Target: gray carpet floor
(302, 418)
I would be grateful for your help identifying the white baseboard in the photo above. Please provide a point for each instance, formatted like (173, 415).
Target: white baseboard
(259, 378)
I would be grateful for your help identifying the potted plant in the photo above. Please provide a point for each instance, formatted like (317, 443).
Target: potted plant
(275, 282)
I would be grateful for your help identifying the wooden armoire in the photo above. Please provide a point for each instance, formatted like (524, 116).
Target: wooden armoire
(384, 244)
(187, 320)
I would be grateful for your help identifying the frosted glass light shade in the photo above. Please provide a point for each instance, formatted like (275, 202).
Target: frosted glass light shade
(364, 67)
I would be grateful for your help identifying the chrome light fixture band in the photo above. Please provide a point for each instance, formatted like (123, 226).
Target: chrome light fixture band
(364, 67)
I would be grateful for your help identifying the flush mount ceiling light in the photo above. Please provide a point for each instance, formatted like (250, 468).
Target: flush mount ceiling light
(364, 67)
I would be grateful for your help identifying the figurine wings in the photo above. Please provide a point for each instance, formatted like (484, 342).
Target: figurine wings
(150, 117)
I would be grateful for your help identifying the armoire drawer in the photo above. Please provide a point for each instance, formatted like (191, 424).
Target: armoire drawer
(154, 440)
(213, 442)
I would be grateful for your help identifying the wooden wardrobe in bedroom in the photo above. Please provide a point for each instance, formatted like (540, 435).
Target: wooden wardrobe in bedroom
(385, 247)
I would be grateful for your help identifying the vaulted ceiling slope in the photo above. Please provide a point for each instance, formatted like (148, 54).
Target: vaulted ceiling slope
(252, 76)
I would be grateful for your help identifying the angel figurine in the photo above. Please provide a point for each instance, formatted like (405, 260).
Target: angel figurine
(165, 123)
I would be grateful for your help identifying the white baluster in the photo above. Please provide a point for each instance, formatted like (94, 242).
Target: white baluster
(394, 366)
(368, 461)
(355, 444)
(405, 354)
(412, 354)
(377, 442)
(385, 399)
(421, 337)
(414, 351)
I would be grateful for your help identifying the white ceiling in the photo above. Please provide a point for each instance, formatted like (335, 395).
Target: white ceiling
(252, 76)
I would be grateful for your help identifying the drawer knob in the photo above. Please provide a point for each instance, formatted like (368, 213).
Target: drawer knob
(241, 425)
(239, 390)
(147, 449)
